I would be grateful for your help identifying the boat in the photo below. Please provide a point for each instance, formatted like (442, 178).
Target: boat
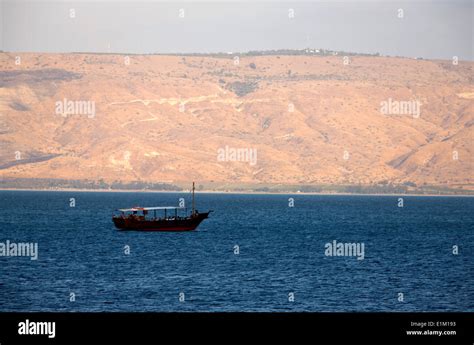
(146, 219)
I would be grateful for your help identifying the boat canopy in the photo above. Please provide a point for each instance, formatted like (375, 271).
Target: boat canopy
(150, 208)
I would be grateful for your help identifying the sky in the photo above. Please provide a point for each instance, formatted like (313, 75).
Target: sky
(432, 29)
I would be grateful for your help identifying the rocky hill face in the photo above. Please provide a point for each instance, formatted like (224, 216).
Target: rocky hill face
(258, 119)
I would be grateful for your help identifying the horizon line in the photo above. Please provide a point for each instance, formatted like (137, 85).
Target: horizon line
(265, 52)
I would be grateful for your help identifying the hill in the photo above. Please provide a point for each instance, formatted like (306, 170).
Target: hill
(260, 120)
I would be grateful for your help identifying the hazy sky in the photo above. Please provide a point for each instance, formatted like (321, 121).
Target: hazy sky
(429, 29)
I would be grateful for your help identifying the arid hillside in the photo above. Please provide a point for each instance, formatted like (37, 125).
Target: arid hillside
(313, 120)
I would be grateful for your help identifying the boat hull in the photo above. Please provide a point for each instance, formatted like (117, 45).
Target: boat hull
(169, 225)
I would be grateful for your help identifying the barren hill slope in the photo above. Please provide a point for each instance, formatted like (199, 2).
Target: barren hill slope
(308, 119)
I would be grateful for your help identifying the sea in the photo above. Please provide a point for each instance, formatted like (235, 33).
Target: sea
(255, 253)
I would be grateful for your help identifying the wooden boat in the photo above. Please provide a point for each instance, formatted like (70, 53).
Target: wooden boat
(140, 219)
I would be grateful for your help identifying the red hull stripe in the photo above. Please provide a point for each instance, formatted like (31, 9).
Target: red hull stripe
(160, 229)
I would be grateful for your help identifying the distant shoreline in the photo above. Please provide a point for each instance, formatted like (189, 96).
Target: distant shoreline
(306, 52)
(226, 192)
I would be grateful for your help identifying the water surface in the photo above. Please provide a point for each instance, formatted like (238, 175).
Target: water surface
(408, 250)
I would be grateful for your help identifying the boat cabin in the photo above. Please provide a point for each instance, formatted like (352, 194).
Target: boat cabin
(153, 213)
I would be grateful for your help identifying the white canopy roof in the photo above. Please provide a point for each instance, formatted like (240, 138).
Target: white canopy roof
(150, 208)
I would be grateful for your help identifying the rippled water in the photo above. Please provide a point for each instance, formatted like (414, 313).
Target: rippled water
(408, 250)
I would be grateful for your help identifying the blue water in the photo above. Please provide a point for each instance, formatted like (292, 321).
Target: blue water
(281, 250)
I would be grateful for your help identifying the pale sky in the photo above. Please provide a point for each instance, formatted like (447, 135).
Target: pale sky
(437, 29)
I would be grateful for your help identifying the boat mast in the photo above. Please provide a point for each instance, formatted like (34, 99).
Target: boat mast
(193, 199)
